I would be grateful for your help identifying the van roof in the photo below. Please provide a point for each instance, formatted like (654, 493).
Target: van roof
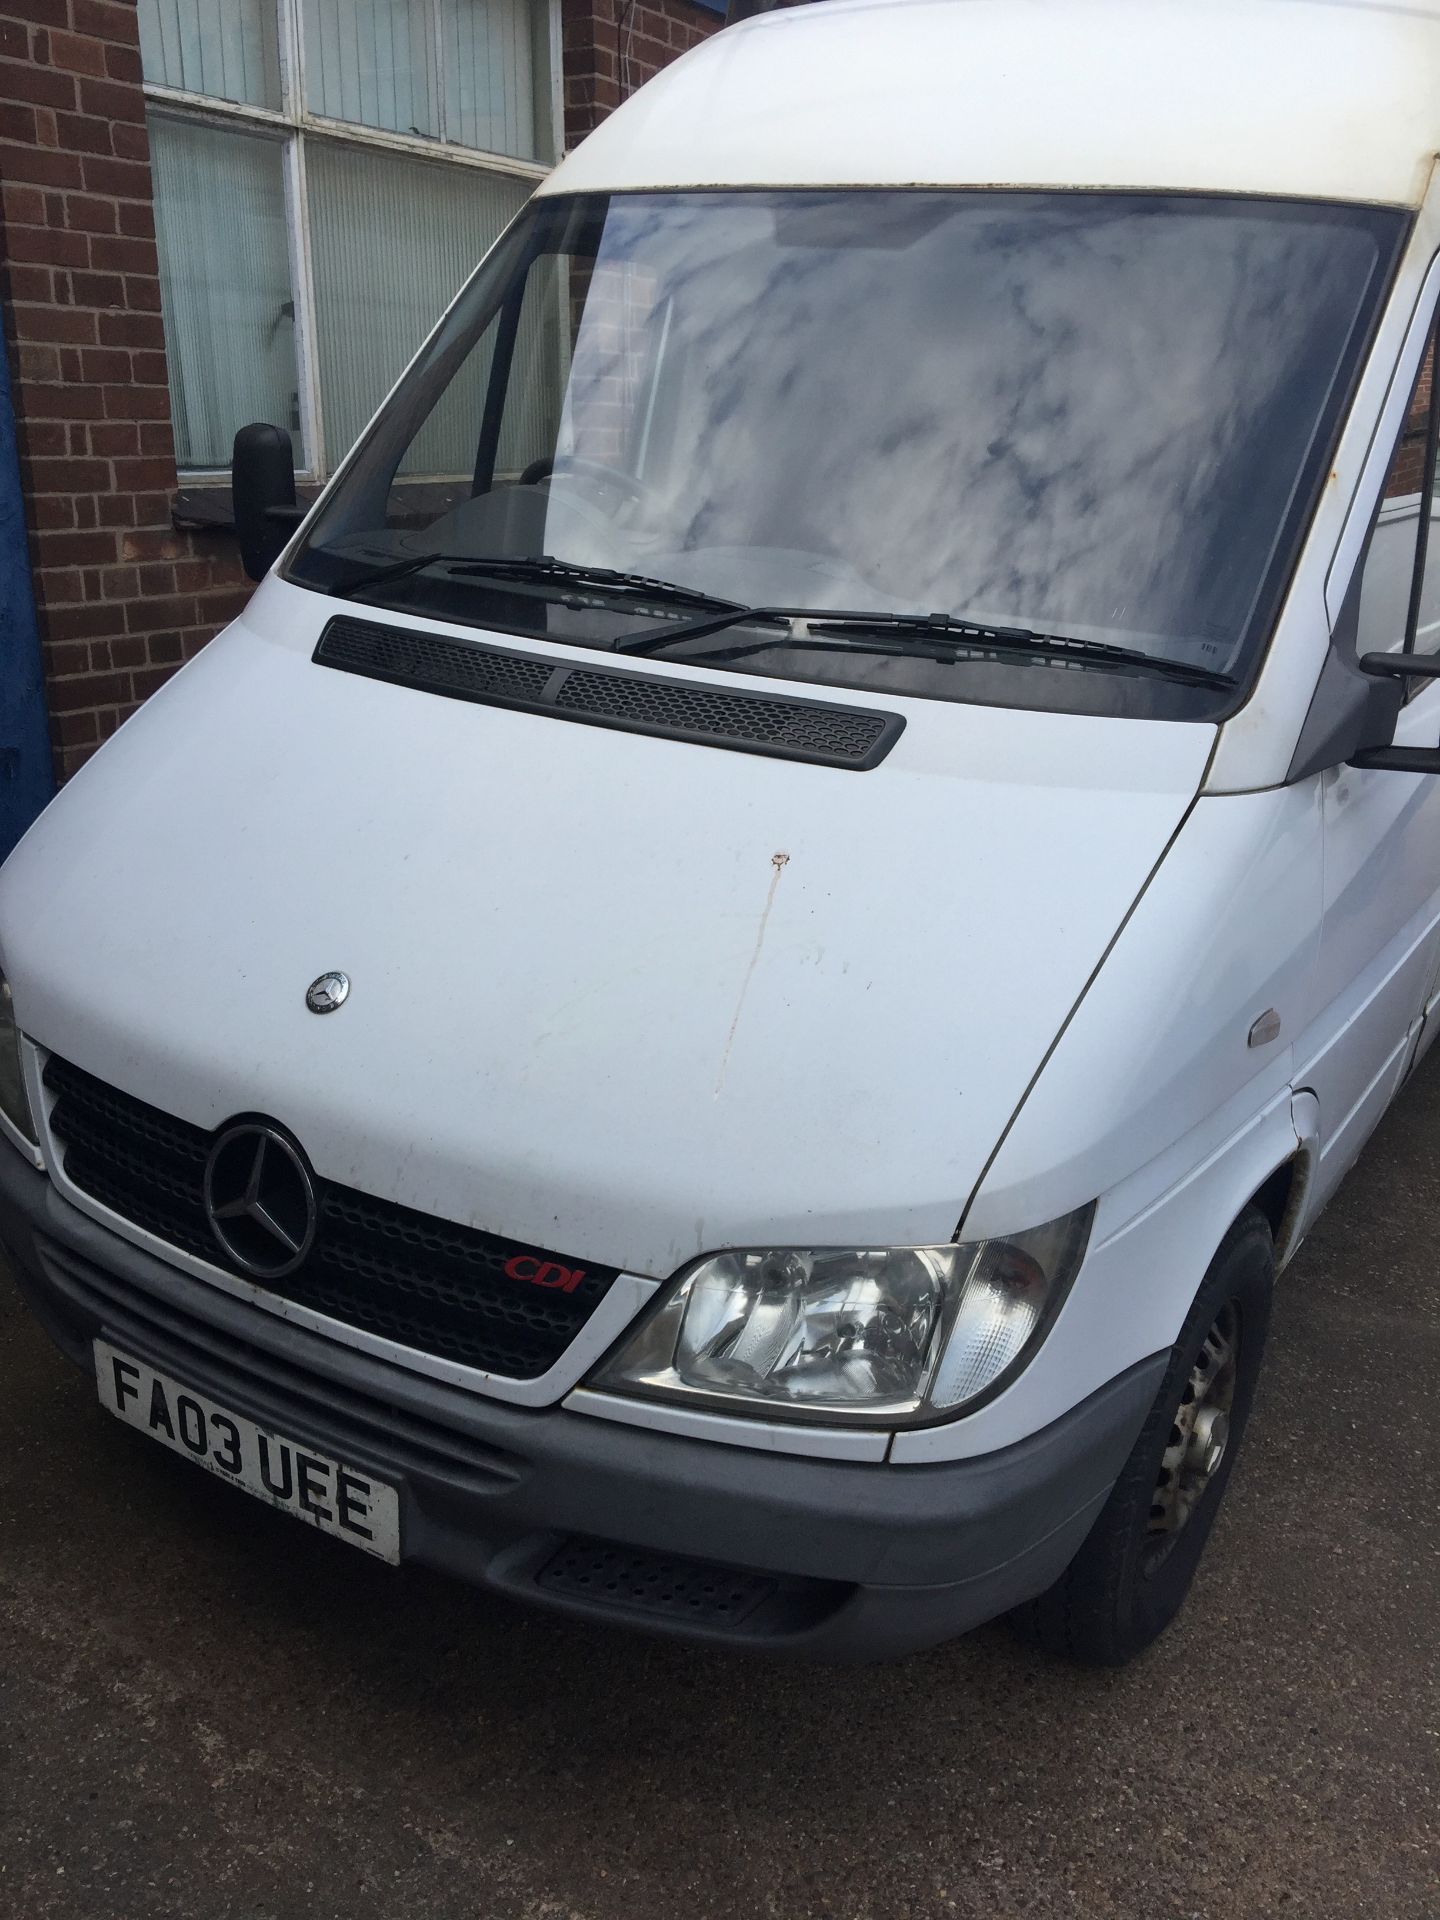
(1314, 99)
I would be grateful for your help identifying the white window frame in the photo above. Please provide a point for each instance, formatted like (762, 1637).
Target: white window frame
(292, 125)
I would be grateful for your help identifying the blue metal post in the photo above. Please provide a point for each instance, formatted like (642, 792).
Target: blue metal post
(26, 775)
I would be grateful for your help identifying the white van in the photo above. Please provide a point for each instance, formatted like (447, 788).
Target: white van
(718, 1008)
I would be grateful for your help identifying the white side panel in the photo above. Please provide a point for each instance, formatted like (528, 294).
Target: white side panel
(1354, 1055)
(1341, 1146)
(1381, 943)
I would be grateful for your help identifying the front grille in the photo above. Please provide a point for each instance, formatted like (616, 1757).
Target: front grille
(359, 1421)
(819, 731)
(407, 1276)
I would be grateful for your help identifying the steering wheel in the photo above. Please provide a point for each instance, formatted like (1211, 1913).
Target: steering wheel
(544, 469)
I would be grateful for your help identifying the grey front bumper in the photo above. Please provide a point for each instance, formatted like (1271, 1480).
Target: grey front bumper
(833, 1559)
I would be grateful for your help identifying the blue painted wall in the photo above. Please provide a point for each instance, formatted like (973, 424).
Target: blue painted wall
(26, 775)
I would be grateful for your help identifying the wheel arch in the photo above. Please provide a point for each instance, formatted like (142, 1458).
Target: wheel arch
(1281, 1199)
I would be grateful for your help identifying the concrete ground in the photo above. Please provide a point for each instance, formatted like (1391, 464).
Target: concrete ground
(207, 1710)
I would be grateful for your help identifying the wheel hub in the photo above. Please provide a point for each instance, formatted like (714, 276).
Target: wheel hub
(1208, 1441)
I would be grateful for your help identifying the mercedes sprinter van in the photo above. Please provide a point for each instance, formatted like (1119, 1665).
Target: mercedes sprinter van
(719, 1007)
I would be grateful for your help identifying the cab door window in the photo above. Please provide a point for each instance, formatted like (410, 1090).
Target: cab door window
(1400, 589)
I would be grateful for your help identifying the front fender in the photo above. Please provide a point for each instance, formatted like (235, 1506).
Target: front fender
(1153, 1102)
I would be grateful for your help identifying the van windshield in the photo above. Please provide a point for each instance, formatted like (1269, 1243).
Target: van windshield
(1095, 416)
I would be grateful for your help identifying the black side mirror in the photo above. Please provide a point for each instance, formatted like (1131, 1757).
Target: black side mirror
(1404, 667)
(262, 491)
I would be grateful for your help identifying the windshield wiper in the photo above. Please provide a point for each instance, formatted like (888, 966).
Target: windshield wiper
(392, 570)
(934, 636)
(541, 568)
(544, 567)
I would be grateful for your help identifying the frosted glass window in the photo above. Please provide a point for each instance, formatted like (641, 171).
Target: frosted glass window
(225, 289)
(373, 62)
(492, 62)
(225, 48)
(470, 72)
(303, 255)
(392, 241)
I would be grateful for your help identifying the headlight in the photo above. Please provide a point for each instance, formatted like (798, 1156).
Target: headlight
(892, 1335)
(13, 1102)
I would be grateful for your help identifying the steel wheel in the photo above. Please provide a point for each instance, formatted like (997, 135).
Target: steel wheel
(1199, 1435)
(1132, 1573)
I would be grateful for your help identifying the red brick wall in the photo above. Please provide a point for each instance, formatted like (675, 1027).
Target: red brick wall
(614, 46)
(122, 598)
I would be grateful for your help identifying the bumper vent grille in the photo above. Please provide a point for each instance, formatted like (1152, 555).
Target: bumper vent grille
(426, 1283)
(826, 735)
(625, 1577)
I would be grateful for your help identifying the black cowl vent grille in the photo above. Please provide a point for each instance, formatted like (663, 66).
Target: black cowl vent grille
(447, 1290)
(826, 735)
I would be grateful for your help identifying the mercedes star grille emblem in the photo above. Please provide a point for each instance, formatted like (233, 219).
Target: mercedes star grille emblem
(260, 1200)
(327, 993)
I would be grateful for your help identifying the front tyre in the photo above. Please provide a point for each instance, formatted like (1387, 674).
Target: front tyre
(1131, 1575)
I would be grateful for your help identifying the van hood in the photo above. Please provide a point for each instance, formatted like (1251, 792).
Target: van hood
(618, 995)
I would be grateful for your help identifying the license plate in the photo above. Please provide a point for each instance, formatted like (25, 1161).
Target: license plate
(337, 1499)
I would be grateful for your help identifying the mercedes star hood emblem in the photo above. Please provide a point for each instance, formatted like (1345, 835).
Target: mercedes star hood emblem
(260, 1200)
(328, 992)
